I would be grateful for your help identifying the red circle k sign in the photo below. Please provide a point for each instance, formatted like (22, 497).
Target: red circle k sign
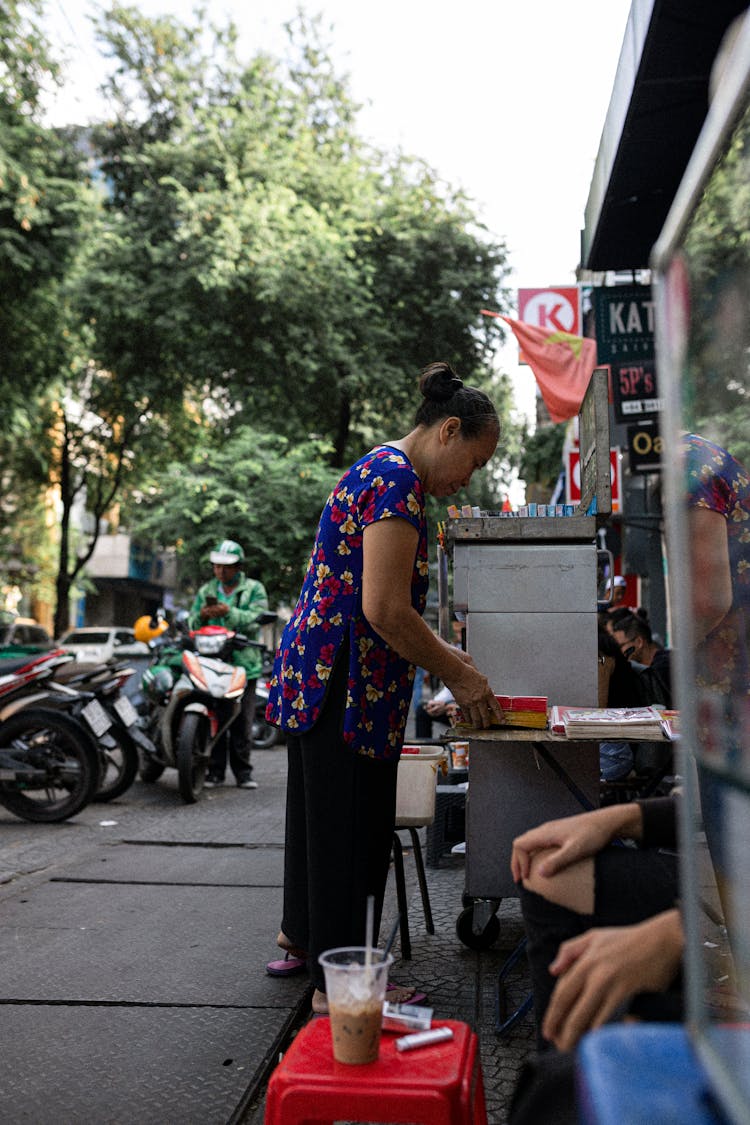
(555, 309)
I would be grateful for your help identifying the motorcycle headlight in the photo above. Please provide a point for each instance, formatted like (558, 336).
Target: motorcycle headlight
(208, 645)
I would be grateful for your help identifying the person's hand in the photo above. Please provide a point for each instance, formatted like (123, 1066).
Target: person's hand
(573, 838)
(435, 707)
(217, 610)
(601, 969)
(475, 697)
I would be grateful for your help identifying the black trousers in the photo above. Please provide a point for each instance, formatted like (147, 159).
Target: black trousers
(240, 739)
(340, 816)
(631, 885)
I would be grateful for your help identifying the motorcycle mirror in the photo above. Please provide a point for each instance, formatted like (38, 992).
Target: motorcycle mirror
(266, 618)
(181, 620)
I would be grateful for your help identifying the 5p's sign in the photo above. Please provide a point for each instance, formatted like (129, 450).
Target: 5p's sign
(634, 390)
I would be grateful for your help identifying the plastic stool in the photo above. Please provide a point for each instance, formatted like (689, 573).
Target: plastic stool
(449, 800)
(436, 1085)
(643, 1072)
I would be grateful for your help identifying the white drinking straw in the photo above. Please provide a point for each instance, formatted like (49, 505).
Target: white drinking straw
(369, 926)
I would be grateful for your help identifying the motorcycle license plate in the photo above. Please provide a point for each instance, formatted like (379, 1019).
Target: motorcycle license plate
(96, 717)
(126, 710)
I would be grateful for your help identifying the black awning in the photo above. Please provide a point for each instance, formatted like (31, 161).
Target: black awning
(658, 105)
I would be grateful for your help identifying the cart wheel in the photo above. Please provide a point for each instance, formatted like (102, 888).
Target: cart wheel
(465, 930)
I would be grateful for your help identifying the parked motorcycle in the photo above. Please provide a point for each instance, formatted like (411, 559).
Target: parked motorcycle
(49, 765)
(193, 694)
(112, 718)
(265, 735)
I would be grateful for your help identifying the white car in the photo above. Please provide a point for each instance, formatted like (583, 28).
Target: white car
(23, 631)
(98, 643)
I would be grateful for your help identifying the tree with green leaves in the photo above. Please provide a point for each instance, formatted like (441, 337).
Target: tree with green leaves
(255, 487)
(43, 203)
(225, 252)
(274, 258)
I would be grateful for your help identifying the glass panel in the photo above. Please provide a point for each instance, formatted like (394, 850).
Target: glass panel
(703, 342)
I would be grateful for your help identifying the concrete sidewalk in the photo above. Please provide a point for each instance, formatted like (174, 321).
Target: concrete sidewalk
(134, 987)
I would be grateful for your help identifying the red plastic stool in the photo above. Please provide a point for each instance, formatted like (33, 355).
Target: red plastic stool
(436, 1085)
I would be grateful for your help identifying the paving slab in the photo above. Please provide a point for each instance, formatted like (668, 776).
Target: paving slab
(241, 865)
(143, 944)
(132, 1066)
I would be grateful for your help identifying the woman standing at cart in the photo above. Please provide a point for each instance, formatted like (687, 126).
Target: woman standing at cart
(344, 671)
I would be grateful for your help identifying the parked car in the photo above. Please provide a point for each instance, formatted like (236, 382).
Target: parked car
(23, 631)
(103, 642)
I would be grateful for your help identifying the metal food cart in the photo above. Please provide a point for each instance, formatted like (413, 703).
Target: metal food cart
(527, 587)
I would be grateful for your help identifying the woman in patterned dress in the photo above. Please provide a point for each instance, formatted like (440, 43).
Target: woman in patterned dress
(344, 671)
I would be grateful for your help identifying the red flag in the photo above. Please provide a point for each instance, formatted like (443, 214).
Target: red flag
(562, 365)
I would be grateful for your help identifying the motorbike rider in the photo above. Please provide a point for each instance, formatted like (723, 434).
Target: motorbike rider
(235, 601)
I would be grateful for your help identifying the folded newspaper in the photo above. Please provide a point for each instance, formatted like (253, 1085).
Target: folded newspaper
(608, 722)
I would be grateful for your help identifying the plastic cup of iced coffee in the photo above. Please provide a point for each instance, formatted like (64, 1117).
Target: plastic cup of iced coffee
(355, 990)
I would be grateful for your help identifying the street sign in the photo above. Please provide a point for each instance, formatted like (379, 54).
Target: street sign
(645, 445)
(573, 477)
(634, 389)
(558, 309)
(624, 320)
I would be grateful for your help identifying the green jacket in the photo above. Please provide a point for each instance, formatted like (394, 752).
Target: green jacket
(246, 603)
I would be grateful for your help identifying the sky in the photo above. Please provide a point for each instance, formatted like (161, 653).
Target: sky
(505, 99)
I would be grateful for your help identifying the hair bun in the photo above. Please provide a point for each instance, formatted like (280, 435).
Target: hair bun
(440, 382)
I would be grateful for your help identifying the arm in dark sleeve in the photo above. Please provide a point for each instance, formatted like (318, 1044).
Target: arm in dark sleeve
(659, 822)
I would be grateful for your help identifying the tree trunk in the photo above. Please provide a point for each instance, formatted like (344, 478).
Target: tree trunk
(62, 583)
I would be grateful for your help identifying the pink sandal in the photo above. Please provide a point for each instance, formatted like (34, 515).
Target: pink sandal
(416, 998)
(287, 967)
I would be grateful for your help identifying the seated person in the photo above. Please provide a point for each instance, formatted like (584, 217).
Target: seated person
(619, 595)
(442, 706)
(634, 637)
(601, 921)
(607, 620)
(628, 641)
(624, 689)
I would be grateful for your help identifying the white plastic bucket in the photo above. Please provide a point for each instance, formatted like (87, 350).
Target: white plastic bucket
(415, 786)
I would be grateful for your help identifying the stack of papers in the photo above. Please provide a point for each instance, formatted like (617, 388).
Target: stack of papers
(607, 722)
(524, 710)
(528, 711)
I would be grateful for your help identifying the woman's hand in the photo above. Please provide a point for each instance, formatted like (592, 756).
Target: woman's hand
(574, 838)
(473, 694)
(603, 968)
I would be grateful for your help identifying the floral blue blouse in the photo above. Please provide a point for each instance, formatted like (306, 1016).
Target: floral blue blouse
(381, 485)
(715, 480)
